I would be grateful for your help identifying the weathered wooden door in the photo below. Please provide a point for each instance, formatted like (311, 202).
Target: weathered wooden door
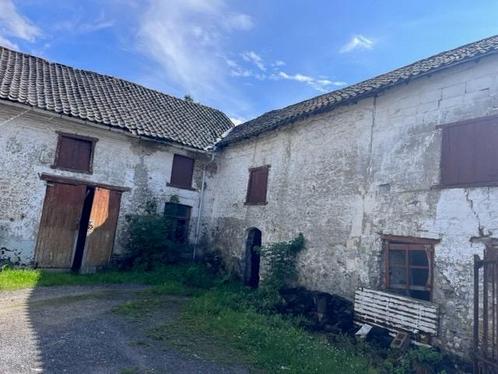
(101, 229)
(59, 225)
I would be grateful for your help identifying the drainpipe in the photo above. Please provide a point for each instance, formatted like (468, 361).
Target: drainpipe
(199, 208)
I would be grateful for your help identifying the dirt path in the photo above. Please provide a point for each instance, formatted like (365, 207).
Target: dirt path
(77, 330)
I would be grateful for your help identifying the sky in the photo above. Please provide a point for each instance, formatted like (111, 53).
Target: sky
(242, 57)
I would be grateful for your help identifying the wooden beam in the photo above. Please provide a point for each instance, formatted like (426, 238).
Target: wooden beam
(76, 181)
(409, 239)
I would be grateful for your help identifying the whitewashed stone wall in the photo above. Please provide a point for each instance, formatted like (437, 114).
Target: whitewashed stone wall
(27, 148)
(343, 178)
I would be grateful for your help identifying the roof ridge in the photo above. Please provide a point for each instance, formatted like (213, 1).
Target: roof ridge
(375, 77)
(107, 100)
(364, 88)
(45, 60)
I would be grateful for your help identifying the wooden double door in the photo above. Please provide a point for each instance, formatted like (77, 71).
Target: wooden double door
(77, 227)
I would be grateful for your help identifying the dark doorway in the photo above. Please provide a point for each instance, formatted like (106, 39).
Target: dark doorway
(252, 260)
(82, 233)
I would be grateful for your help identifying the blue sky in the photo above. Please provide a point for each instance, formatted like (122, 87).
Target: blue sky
(243, 57)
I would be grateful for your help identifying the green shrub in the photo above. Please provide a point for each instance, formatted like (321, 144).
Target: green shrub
(151, 240)
(148, 242)
(280, 259)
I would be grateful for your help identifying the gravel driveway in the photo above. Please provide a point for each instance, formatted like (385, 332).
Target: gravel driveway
(74, 330)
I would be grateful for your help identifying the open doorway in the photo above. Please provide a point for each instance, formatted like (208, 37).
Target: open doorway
(78, 225)
(252, 258)
(83, 229)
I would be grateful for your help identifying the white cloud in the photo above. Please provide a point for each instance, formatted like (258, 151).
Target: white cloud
(96, 26)
(188, 39)
(319, 84)
(252, 65)
(253, 57)
(239, 21)
(238, 71)
(14, 25)
(100, 23)
(357, 42)
(81, 27)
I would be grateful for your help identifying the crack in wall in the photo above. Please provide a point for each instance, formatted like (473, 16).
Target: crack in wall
(480, 229)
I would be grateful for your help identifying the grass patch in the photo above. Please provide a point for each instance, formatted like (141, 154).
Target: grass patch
(220, 324)
(195, 343)
(171, 278)
(270, 341)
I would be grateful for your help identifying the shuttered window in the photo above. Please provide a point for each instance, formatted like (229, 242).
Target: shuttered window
(74, 153)
(257, 185)
(470, 153)
(182, 171)
(409, 268)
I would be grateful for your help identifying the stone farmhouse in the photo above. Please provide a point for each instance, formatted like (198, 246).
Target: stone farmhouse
(393, 181)
(81, 150)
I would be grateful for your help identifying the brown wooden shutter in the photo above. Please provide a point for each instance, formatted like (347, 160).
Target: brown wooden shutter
(486, 152)
(74, 154)
(257, 186)
(182, 171)
(470, 154)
